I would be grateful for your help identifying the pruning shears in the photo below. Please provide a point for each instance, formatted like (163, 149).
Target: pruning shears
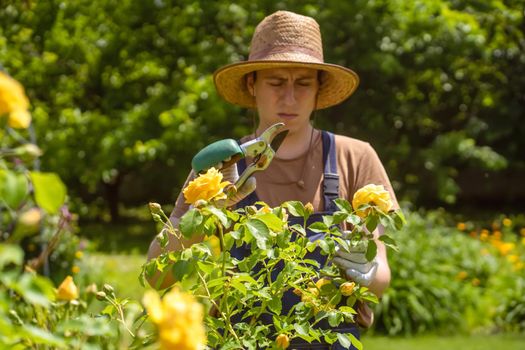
(228, 152)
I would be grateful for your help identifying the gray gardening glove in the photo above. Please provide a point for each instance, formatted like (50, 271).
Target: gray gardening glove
(232, 175)
(355, 265)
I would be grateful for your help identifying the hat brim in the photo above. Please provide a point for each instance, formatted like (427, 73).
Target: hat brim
(338, 82)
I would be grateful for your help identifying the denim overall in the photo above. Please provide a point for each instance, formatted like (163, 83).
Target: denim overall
(330, 193)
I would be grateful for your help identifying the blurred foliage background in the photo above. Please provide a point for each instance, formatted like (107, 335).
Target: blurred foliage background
(122, 97)
(122, 92)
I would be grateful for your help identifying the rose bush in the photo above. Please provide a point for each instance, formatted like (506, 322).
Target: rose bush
(241, 295)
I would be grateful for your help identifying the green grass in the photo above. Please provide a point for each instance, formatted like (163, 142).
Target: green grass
(119, 270)
(475, 342)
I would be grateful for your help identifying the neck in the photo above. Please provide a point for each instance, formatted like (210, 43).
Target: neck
(296, 143)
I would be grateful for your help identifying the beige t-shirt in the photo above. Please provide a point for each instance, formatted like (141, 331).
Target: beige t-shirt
(357, 165)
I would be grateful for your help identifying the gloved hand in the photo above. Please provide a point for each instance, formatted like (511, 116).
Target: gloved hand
(231, 174)
(355, 265)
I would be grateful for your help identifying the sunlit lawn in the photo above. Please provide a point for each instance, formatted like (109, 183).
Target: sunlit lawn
(121, 271)
(485, 342)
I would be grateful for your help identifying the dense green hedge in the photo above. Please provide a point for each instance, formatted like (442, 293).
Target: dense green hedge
(447, 280)
(123, 97)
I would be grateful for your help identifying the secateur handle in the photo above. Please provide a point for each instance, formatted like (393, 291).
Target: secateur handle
(215, 153)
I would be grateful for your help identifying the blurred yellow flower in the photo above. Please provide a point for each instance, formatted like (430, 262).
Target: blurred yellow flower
(461, 275)
(504, 247)
(513, 258)
(522, 231)
(79, 254)
(347, 288)
(484, 235)
(518, 265)
(461, 226)
(475, 282)
(75, 269)
(67, 290)
(179, 318)
(13, 102)
(374, 195)
(206, 187)
(523, 241)
(507, 222)
(496, 235)
(282, 341)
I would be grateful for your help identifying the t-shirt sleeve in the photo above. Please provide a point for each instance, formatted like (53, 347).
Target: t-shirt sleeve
(181, 207)
(370, 170)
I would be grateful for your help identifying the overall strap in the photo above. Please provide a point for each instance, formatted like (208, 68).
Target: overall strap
(331, 178)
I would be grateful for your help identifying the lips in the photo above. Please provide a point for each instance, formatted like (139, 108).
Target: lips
(287, 115)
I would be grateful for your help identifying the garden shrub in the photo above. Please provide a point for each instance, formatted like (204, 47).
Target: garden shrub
(444, 280)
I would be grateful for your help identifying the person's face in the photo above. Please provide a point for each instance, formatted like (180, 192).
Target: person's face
(285, 95)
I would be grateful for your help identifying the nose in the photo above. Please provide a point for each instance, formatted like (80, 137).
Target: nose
(289, 95)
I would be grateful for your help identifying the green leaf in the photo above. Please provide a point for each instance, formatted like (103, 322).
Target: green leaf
(259, 231)
(50, 191)
(301, 328)
(235, 283)
(389, 241)
(334, 318)
(353, 219)
(190, 222)
(223, 218)
(371, 222)
(275, 305)
(371, 251)
(355, 342)
(319, 227)
(41, 336)
(344, 205)
(206, 267)
(10, 254)
(296, 208)
(344, 341)
(13, 188)
(399, 219)
(272, 221)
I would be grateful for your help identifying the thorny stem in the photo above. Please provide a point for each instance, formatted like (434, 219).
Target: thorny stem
(230, 328)
(121, 315)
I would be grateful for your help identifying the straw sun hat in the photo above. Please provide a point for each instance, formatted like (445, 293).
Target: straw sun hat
(285, 40)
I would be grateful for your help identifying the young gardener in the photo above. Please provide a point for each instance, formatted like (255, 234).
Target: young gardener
(285, 79)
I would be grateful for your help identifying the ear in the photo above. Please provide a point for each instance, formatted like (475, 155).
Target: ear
(250, 83)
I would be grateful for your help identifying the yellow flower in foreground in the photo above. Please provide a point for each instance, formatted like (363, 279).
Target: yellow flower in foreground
(14, 102)
(374, 195)
(282, 341)
(206, 187)
(67, 290)
(179, 318)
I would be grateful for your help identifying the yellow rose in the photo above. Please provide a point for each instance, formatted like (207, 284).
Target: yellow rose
(282, 341)
(206, 187)
(321, 282)
(347, 288)
(67, 290)
(13, 101)
(179, 318)
(374, 195)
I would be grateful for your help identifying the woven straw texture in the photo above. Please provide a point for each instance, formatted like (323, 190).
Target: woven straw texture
(283, 40)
